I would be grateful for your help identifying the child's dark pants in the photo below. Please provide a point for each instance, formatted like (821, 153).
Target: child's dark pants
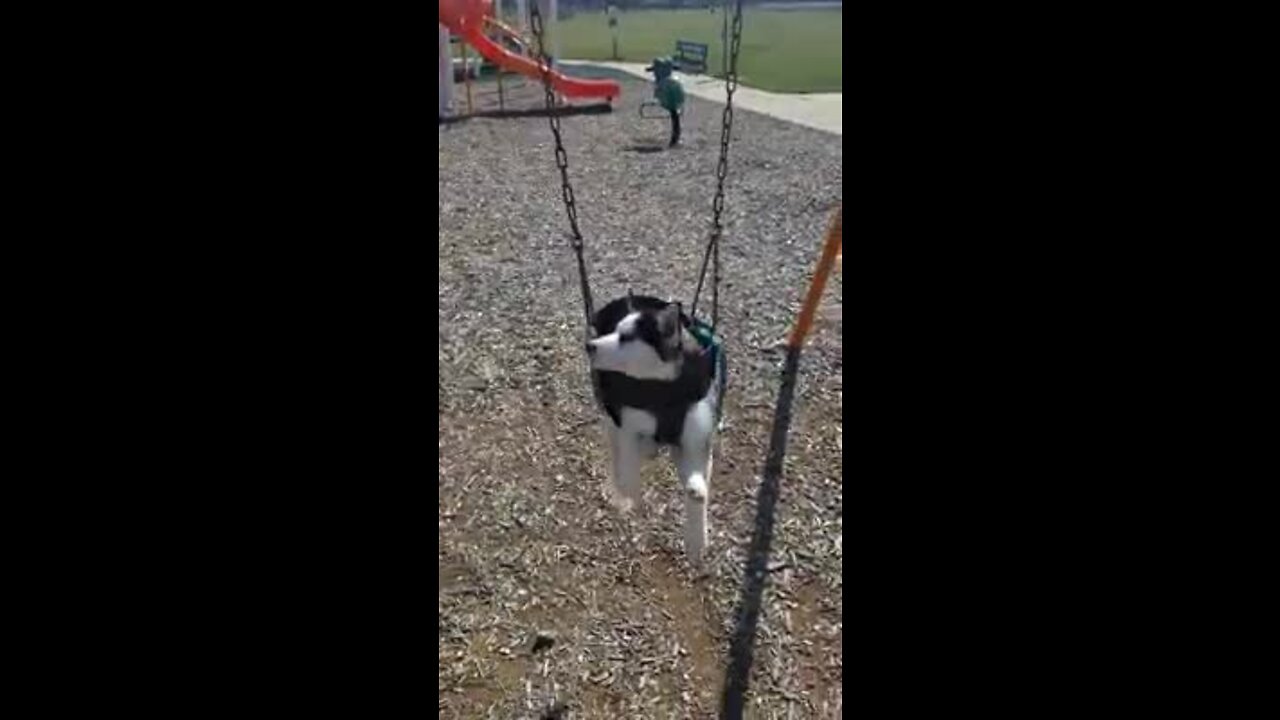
(675, 127)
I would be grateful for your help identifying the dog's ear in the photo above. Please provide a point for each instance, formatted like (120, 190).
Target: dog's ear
(669, 321)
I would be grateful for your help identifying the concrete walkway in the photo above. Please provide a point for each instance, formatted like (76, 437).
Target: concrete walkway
(821, 111)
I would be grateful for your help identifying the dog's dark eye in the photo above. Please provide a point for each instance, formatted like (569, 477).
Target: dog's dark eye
(626, 338)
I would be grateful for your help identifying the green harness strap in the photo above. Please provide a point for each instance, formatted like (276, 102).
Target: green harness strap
(708, 339)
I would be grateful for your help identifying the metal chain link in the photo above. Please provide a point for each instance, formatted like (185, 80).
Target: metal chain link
(722, 169)
(562, 160)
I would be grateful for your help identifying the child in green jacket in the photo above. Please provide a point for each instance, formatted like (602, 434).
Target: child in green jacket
(669, 93)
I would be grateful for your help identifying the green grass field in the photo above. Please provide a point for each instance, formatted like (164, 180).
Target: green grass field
(782, 50)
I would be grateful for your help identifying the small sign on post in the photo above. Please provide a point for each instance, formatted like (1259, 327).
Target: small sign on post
(613, 28)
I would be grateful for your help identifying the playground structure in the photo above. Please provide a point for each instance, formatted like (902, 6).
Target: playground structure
(476, 25)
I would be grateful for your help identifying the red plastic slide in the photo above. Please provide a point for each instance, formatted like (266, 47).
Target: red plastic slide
(466, 19)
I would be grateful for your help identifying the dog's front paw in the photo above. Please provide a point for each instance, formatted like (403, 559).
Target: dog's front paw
(696, 488)
(621, 502)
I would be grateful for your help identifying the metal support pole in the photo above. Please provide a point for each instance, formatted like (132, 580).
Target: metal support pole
(446, 73)
(466, 75)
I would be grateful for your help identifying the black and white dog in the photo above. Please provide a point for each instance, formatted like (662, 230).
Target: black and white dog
(659, 386)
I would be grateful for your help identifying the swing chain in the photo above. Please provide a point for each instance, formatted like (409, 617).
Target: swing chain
(722, 169)
(562, 160)
(726, 121)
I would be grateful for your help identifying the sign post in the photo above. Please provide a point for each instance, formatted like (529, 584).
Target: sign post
(613, 28)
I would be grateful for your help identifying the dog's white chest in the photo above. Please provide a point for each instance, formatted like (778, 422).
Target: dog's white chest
(638, 422)
(641, 427)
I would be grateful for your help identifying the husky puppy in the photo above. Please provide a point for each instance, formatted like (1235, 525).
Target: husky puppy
(656, 384)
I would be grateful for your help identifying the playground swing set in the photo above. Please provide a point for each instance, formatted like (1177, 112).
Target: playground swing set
(473, 22)
(704, 332)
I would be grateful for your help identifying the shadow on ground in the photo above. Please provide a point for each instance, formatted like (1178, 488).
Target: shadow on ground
(742, 645)
(645, 148)
(564, 111)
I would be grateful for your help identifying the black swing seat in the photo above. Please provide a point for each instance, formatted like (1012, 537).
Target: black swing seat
(667, 403)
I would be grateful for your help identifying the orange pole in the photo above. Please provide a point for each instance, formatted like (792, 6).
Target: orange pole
(830, 250)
